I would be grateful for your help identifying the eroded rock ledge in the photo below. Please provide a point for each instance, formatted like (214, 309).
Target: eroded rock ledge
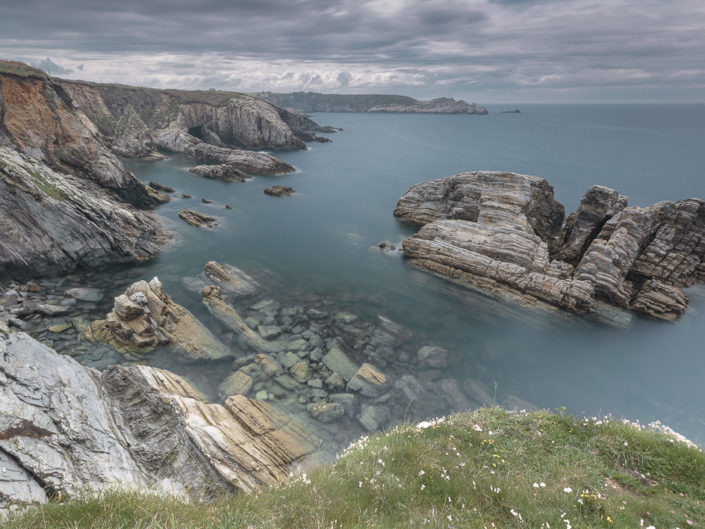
(68, 430)
(504, 232)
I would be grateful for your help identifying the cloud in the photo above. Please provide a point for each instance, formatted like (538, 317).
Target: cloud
(479, 49)
(51, 67)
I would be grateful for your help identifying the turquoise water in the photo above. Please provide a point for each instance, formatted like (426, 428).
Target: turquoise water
(323, 240)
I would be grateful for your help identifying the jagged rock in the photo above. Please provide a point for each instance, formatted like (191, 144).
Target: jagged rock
(598, 205)
(326, 412)
(70, 430)
(213, 300)
(433, 357)
(230, 278)
(55, 222)
(660, 301)
(194, 218)
(226, 173)
(368, 381)
(501, 232)
(238, 383)
(145, 317)
(279, 191)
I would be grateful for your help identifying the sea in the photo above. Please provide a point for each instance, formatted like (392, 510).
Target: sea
(324, 241)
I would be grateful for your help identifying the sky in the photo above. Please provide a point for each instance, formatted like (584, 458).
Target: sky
(486, 51)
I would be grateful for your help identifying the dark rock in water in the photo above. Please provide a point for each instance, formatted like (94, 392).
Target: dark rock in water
(224, 172)
(71, 430)
(160, 187)
(194, 218)
(279, 191)
(326, 411)
(322, 139)
(228, 206)
(184, 195)
(206, 201)
(502, 232)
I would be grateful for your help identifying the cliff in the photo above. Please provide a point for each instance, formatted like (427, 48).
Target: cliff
(132, 119)
(504, 232)
(313, 102)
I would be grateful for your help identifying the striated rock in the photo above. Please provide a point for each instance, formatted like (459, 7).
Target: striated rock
(194, 218)
(226, 173)
(145, 317)
(71, 430)
(598, 205)
(279, 191)
(660, 301)
(487, 198)
(230, 279)
(501, 232)
(53, 222)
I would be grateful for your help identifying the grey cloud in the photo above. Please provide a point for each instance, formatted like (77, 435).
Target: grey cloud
(470, 46)
(51, 67)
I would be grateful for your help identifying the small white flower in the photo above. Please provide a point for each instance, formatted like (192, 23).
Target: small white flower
(421, 472)
(477, 428)
(450, 518)
(423, 486)
(536, 485)
(542, 485)
(567, 490)
(359, 484)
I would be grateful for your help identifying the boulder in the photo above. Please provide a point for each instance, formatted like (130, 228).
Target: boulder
(338, 362)
(660, 301)
(326, 412)
(432, 357)
(238, 383)
(145, 317)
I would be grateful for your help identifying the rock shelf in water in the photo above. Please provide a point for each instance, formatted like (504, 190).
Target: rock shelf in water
(504, 232)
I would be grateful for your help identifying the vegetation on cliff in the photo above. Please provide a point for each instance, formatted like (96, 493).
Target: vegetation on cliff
(489, 468)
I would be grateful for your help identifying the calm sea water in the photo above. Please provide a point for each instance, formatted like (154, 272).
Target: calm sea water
(323, 240)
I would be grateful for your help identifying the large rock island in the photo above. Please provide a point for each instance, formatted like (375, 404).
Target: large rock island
(504, 232)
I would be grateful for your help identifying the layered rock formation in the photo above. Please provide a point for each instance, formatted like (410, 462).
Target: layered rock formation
(145, 317)
(504, 232)
(71, 430)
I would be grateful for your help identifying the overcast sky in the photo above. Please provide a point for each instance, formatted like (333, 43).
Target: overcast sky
(488, 51)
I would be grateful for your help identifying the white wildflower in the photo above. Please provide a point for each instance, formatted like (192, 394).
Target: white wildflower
(567, 490)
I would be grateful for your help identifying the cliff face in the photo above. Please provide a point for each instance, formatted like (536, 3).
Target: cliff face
(40, 120)
(313, 102)
(133, 118)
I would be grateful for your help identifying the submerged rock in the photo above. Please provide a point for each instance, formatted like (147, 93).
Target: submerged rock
(501, 232)
(145, 317)
(230, 278)
(71, 430)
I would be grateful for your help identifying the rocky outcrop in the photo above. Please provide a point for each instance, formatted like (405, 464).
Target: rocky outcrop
(145, 317)
(226, 173)
(194, 218)
(71, 430)
(52, 222)
(279, 191)
(503, 232)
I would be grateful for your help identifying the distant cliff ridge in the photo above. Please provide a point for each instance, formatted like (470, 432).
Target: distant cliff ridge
(313, 102)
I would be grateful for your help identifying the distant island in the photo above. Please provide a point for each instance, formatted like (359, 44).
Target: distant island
(314, 102)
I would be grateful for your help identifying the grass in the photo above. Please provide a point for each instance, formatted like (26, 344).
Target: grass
(21, 69)
(489, 468)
